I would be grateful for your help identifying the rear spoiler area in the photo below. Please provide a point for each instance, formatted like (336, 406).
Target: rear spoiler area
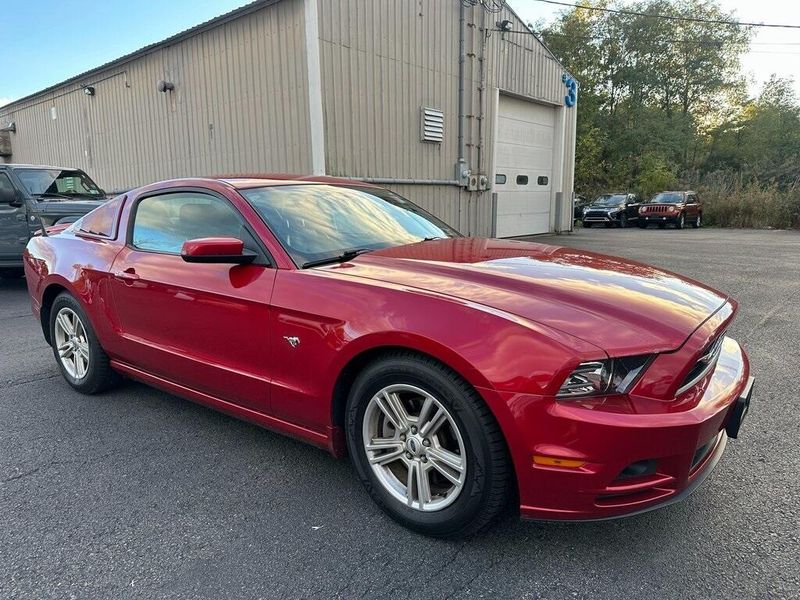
(52, 230)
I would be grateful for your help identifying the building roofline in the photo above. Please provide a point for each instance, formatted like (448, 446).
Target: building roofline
(174, 39)
(538, 39)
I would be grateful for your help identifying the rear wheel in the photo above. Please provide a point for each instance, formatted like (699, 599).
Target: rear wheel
(426, 447)
(83, 362)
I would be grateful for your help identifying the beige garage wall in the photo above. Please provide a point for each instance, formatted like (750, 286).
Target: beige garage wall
(239, 104)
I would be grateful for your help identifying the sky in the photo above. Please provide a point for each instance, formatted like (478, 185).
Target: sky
(48, 41)
(772, 50)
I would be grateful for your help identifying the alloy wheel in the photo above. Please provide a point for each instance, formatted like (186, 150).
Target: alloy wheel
(414, 447)
(72, 343)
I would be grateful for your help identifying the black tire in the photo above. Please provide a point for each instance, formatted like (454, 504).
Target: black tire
(99, 375)
(623, 221)
(681, 222)
(698, 221)
(11, 273)
(487, 485)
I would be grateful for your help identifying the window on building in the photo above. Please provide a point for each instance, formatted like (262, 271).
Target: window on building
(522, 180)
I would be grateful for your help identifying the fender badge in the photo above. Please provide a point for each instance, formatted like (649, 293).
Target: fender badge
(293, 340)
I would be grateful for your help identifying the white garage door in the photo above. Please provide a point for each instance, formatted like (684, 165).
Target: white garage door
(523, 167)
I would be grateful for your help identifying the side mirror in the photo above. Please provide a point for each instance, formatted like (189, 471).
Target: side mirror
(216, 250)
(10, 197)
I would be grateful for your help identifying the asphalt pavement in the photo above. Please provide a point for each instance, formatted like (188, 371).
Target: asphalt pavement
(140, 494)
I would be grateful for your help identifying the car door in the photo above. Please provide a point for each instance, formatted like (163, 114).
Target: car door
(632, 207)
(691, 206)
(13, 222)
(201, 325)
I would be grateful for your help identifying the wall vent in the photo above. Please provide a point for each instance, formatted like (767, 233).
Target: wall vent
(432, 125)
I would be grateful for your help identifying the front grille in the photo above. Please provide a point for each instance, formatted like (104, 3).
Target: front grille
(595, 214)
(655, 209)
(703, 365)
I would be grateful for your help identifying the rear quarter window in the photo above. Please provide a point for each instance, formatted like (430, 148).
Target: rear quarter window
(103, 220)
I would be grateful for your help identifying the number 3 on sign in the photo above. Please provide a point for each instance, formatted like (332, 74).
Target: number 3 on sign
(572, 90)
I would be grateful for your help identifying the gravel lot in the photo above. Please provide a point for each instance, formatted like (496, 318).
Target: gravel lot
(139, 494)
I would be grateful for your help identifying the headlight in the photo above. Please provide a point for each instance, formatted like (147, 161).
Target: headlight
(612, 376)
(671, 209)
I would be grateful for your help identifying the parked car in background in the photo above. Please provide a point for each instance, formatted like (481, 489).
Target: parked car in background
(578, 204)
(459, 374)
(37, 196)
(617, 209)
(677, 208)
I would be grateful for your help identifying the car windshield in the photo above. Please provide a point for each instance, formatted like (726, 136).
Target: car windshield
(316, 222)
(667, 198)
(609, 200)
(58, 182)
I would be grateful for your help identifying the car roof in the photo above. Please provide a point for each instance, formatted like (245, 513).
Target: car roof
(27, 166)
(250, 180)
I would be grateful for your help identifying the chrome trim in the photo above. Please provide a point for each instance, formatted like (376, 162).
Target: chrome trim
(710, 358)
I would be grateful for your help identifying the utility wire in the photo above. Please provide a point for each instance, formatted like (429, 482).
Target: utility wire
(670, 17)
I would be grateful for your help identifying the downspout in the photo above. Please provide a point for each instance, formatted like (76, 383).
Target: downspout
(461, 170)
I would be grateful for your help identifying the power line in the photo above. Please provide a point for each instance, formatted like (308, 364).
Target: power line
(635, 13)
(671, 40)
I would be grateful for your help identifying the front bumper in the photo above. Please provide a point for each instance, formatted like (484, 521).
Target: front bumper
(659, 218)
(601, 218)
(674, 446)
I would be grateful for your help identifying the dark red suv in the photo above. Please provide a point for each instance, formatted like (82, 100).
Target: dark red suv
(678, 208)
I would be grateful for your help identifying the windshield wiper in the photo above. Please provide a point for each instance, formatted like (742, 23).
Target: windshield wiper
(344, 256)
(52, 195)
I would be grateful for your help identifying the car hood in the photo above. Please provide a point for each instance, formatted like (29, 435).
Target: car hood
(621, 306)
(58, 206)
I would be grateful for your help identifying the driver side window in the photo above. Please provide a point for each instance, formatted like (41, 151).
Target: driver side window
(163, 223)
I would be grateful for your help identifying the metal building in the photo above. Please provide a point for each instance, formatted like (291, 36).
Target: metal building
(431, 98)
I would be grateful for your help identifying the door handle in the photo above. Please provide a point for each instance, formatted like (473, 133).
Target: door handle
(126, 275)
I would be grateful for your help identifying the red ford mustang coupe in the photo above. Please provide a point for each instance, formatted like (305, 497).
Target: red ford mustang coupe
(457, 373)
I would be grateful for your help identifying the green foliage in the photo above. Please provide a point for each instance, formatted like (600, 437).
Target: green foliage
(733, 204)
(662, 104)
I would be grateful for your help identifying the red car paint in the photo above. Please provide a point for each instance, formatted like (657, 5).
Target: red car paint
(512, 318)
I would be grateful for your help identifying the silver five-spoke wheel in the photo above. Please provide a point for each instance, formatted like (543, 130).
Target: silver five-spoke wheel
(414, 447)
(72, 343)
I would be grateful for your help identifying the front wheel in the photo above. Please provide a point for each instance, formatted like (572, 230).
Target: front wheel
(681, 222)
(698, 221)
(83, 362)
(427, 449)
(623, 221)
